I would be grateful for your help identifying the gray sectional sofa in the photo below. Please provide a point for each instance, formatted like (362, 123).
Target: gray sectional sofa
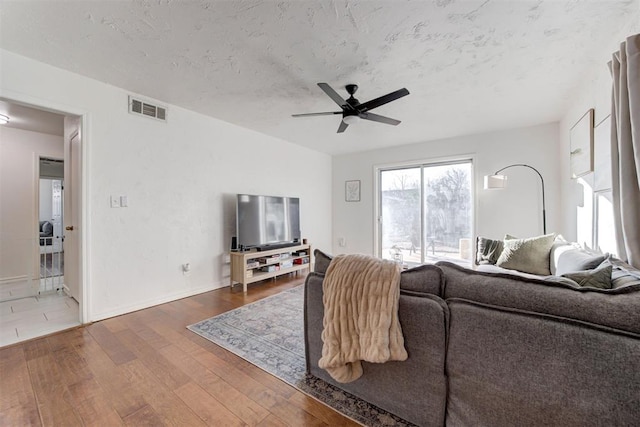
(498, 349)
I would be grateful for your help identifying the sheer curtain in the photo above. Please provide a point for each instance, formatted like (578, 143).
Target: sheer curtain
(625, 148)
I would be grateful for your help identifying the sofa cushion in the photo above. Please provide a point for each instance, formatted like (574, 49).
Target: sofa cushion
(488, 268)
(577, 260)
(321, 261)
(596, 278)
(616, 308)
(488, 250)
(527, 255)
(423, 278)
(511, 367)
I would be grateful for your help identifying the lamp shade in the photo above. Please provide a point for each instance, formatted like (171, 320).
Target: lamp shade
(495, 182)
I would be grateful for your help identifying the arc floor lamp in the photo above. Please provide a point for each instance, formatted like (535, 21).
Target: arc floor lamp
(497, 181)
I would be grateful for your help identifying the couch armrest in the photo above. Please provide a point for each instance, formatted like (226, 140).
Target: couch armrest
(415, 389)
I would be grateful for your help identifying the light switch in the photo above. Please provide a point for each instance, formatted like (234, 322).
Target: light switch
(115, 202)
(123, 201)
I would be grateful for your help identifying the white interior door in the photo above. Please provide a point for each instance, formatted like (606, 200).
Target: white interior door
(56, 214)
(72, 206)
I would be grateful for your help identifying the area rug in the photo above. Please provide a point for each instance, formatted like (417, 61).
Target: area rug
(270, 334)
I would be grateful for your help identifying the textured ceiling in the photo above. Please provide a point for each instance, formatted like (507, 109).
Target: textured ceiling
(471, 66)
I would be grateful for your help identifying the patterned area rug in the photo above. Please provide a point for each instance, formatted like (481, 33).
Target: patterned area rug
(270, 334)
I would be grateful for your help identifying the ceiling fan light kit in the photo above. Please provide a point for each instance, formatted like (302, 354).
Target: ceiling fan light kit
(351, 120)
(353, 110)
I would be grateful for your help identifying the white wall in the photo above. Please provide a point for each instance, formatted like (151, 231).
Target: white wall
(19, 154)
(594, 92)
(516, 210)
(180, 178)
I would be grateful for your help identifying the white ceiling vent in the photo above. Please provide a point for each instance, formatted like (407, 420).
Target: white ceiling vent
(137, 106)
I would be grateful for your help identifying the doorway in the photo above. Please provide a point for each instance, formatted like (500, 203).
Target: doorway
(34, 150)
(50, 219)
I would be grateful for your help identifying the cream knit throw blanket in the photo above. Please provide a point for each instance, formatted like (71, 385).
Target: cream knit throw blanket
(360, 322)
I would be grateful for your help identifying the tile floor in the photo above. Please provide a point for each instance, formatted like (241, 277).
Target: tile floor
(17, 289)
(30, 317)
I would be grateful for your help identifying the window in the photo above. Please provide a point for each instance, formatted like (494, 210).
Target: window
(598, 195)
(595, 219)
(425, 212)
(604, 233)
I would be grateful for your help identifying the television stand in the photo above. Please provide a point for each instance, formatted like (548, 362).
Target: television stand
(254, 266)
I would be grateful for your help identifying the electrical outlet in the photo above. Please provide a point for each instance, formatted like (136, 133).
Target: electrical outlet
(342, 242)
(115, 202)
(124, 202)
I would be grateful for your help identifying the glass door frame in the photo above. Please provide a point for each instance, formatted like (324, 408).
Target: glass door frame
(439, 161)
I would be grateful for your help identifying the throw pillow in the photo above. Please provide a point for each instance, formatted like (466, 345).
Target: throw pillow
(488, 250)
(527, 255)
(321, 260)
(623, 274)
(557, 249)
(598, 278)
(577, 260)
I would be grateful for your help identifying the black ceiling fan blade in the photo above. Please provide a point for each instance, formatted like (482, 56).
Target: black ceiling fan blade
(329, 113)
(343, 126)
(333, 94)
(374, 103)
(379, 118)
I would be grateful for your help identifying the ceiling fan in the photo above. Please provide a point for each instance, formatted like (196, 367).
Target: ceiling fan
(352, 109)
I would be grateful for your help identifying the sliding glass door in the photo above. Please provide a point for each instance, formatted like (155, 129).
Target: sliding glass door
(425, 213)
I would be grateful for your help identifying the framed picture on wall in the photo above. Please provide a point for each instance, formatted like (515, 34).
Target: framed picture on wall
(352, 191)
(581, 138)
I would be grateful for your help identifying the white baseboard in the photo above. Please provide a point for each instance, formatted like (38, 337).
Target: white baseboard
(13, 279)
(155, 301)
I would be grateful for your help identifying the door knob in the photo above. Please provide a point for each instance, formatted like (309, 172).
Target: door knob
(69, 227)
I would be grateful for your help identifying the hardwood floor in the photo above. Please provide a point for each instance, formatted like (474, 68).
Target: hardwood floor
(146, 368)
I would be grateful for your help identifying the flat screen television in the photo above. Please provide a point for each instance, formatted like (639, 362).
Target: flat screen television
(267, 221)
